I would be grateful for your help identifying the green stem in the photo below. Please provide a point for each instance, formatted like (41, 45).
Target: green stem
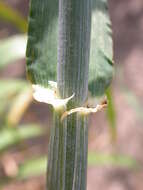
(67, 165)
(67, 162)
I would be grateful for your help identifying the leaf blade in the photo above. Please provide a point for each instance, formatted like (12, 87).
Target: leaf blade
(42, 42)
(101, 54)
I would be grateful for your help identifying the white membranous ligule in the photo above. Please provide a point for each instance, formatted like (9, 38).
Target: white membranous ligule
(49, 96)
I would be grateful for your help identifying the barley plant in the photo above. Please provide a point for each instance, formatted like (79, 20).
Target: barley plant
(69, 63)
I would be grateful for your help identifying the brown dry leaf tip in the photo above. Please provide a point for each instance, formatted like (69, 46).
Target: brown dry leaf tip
(84, 110)
(104, 102)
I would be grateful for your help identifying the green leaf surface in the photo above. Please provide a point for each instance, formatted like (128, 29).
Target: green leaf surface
(12, 16)
(42, 41)
(11, 136)
(101, 55)
(12, 49)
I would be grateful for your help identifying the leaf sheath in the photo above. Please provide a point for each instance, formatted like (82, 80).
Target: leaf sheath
(68, 145)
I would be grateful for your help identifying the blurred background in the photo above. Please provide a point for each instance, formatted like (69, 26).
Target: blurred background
(115, 160)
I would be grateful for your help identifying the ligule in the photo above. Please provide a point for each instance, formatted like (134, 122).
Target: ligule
(50, 96)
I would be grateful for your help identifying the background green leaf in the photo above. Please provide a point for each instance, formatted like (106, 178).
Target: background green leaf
(12, 49)
(33, 167)
(37, 167)
(12, 16)
(11, 136)
(10, 88)
(111, 114)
